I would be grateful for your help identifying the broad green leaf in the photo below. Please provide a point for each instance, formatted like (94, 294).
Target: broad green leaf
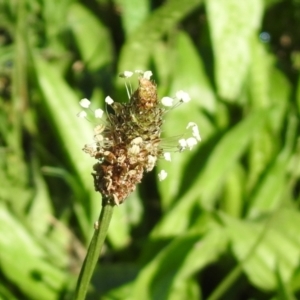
(41, 205)
(233, 196)
(178, 261)
(295, 282)
(162, 65)
(225, 155)
(280, 93)
(14, 177)
(262, 247)
(121, 292)
(188, 74)
(206, 186)
(137, 49)
(25, 263)
(185, 289)
(232, 24)
(271, 191)
(261, 153)
(259, 75)
(92, 37)
(62, 104)
(267, 88)
(133, 13)
(284, 291)
(54, 16)
(114, 279)
(5, 293)
(298, 95)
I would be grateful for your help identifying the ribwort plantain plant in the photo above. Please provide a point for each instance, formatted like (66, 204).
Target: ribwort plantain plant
(126, 144)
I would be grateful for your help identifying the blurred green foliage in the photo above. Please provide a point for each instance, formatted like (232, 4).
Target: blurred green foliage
(225, 224)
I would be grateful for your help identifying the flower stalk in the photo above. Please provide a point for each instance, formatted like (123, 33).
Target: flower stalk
(94, 251)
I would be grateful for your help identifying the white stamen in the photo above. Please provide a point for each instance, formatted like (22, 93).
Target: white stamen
(82, 114)
(162, 175)
(167, 101)
(191, 142)
(182, 144)
(126, 74)
(167, 156)
(99, 113)
(109, 100)
(183, 96)
(85, 103)
(147, 75)
(195, 130)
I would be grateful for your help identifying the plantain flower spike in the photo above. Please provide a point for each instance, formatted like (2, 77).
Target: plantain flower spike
(128, 142)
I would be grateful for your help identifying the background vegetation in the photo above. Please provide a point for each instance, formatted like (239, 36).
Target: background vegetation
(225, 224)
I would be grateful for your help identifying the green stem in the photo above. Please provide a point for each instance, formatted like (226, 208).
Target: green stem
(94, 251)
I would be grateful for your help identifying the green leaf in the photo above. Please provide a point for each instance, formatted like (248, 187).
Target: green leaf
(232, 23)
(24, 263)
(284, 291)
(137, 49)
(187, 288)
(178, 261)
(188, 75)
(271, 189)
(205, 187)
(41, 205)
(133, 13)
(62, 104)
(233, 195)
(274, 238)
(92, 37)
(267, 88)
(298, 96)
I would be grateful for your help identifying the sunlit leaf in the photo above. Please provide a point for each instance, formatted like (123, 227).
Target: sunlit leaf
(133, 13)
(261, 247)
(206, 185)
(188, 75)
(28, 269)
(137, 49)
(92, 37)
(233, 24)
(179, 260)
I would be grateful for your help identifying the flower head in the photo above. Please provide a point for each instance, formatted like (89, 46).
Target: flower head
(128, 143)
(195, 130)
